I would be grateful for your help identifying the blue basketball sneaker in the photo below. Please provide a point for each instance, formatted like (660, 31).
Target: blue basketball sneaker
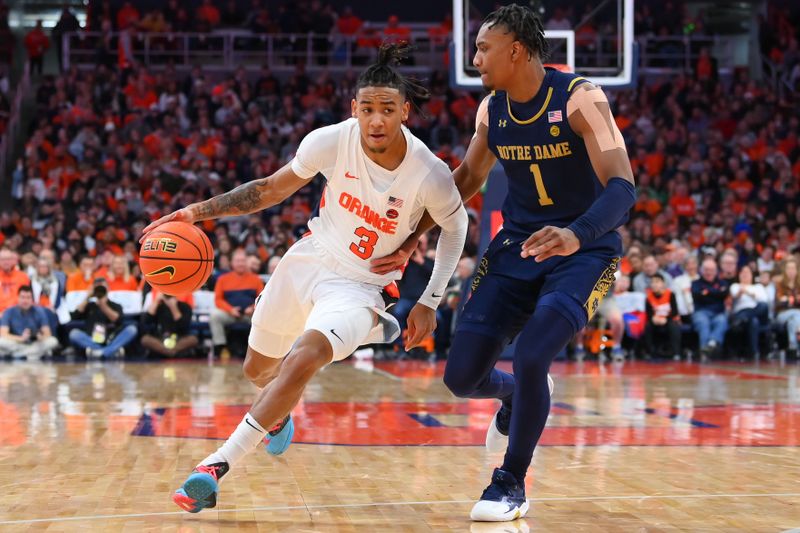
(199, 491)
(279, 437)
(502, 501)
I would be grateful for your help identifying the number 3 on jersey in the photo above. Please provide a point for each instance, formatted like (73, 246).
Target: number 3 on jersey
(366, 246)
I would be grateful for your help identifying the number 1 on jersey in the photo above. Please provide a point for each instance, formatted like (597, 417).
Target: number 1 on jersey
(366, 246)
(540, 190)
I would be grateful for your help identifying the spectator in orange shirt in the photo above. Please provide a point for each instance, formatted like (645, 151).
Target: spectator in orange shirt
(127, 16)
(119, 275)
(741, 186)
(83, 278)
(348, 24)
(234, 295)
(682, 203)
(37, 43)
(394, 32)
(207, 16)
(648, 205)
(654, 161)
(11, 278)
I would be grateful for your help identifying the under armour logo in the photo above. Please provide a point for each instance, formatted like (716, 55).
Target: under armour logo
(502, 123)
(507, 242)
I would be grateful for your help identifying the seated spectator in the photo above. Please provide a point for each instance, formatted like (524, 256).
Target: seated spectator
(709, 318)
(682, 289)
(166, 326)
(728, 265)
(749, 307)
(46, 290)
(24, 329)
(82, 279)
(787, 303)
(103, 334)
(662, 317)
(119, 275)
(234, 295)
(11, 278)
(649, 268)
(766, 260)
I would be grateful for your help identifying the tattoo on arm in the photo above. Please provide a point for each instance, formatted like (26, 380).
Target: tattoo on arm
(244, 199)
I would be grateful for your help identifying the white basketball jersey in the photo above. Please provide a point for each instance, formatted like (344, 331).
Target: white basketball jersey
(356, 222)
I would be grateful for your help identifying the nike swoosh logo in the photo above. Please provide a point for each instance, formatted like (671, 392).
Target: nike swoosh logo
(251, 425)
(169, 269)
(436, 295)
(348, 175)
(337, 336)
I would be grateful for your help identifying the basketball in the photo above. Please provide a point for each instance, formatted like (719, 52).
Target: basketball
(177, 258)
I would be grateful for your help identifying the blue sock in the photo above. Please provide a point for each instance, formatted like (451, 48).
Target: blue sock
(470, 372)
(545, 335)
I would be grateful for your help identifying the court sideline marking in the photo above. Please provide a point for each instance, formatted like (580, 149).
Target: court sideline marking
(309, 508)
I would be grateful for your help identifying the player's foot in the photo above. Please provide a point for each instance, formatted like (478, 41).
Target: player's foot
(617, 355)
(199, 491)
(279, 437)
(503, 500)
(497, 434)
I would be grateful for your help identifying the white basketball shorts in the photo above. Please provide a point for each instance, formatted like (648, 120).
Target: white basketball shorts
(303, 294)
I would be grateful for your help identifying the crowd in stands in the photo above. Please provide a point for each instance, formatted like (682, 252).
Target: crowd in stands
(712, 246)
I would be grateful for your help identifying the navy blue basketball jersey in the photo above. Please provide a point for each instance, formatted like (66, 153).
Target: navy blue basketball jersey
(551, 181)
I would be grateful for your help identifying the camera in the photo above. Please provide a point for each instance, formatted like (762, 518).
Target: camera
(100, 291)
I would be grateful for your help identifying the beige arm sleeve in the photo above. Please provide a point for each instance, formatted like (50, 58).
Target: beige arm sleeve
(482, 117)
(592, 105)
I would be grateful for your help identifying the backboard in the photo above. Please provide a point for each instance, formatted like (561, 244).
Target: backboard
(600, 46)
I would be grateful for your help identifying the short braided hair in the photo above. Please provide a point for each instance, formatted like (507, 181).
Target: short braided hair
(525, 24)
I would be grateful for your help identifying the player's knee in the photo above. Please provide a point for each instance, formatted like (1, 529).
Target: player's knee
(460, 383)
(304, 361)
(568, 307)
(259, 369)
(251, 369)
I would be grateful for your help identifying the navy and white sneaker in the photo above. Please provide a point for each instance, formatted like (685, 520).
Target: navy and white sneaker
(497, 434)
(502, 501)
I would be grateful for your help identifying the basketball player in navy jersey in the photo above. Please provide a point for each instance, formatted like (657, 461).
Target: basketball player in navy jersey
(544, 274)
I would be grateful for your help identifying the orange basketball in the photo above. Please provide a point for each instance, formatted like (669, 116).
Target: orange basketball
(177, 258)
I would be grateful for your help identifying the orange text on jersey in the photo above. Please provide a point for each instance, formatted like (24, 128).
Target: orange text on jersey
(369, 215)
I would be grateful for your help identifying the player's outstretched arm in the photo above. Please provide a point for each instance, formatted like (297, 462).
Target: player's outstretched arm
(469, 176)
(590, 117)
(247, 198)
(444, 203)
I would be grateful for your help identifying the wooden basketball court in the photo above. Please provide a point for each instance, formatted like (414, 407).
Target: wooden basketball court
(385, 447)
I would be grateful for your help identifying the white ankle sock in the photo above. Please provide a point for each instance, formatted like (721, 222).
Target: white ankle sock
(247, 436)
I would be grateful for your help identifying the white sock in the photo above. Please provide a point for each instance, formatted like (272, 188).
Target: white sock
(244, 439)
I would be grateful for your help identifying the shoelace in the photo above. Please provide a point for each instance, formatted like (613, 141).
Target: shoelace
(278, 427)
(211, 470)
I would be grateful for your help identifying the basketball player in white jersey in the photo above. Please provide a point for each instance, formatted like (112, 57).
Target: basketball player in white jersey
(323, 301)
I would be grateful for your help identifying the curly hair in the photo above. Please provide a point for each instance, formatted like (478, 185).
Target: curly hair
(526, 26)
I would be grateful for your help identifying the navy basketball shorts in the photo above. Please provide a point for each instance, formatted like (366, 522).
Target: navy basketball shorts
(507, 288)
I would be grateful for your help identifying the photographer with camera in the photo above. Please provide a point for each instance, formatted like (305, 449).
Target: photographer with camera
(166, 326)
(103, 334)
(24, 330)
